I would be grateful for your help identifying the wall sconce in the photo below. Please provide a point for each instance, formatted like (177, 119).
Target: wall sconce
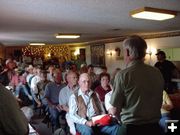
(118, 51)
(151, 51)
(109, 52)
(76, 52)
(49, 54)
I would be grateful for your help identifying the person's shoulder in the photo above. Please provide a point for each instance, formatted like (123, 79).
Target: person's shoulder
(152, 68)
(169, 62)
(164, 92)
(123, 72)
(34, 78)
(153, 71)
(64, 89)
(98, 88)
(74, 95)
(165, 95)
(40, 82)
(108, 94)
(120, 74)
(63, 85)
(157, 64)
(76, 92)
(4, 91)
(50, 84)
(6, 95)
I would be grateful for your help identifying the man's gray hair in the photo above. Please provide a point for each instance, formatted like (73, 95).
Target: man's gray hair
(136, 45)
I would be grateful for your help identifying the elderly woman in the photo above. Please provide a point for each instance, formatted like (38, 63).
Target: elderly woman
(104, 86)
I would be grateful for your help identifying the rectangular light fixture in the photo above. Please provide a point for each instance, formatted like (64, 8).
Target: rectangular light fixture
(153, 14)
(36, 43)
(70, 36)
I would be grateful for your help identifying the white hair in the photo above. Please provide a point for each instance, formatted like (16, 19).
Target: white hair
(136, 46)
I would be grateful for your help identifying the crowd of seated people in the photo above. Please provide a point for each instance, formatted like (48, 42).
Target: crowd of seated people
(46, 88)
(55, 90)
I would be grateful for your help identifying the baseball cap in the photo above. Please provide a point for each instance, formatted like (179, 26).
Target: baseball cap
(161, 52)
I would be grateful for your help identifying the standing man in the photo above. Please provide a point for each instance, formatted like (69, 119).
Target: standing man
(168, 70)
(137, 92)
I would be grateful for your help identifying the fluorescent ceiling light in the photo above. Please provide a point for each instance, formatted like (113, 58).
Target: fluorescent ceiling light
(67, 36)
(36, 43)
(153, 14)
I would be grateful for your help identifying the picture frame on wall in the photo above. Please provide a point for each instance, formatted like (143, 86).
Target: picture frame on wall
(98, 55)
(119, 55)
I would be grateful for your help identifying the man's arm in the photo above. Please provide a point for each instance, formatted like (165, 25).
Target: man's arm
(47, 96)
(112, 110)
(117, 97)
(63, 100)
(65, 108)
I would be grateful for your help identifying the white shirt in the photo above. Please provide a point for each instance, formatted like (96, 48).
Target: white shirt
(34, 82)
(107, 100)
(28, 77)
(65, 94)
(166, 100)
(73, 108)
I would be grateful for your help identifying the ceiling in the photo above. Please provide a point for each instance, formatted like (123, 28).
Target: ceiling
(24, 21)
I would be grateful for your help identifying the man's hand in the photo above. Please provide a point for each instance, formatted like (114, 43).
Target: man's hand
(65, 108)
(112, 110)
(167, 107)
(6, 69)
(89, 123)
(59, 108)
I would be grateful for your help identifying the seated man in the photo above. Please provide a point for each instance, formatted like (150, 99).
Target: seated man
(51, 94)
(64, 95)
(85, 104)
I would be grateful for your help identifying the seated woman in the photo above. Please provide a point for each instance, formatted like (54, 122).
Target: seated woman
(165, 110)
(18, 83)
(104, 87)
